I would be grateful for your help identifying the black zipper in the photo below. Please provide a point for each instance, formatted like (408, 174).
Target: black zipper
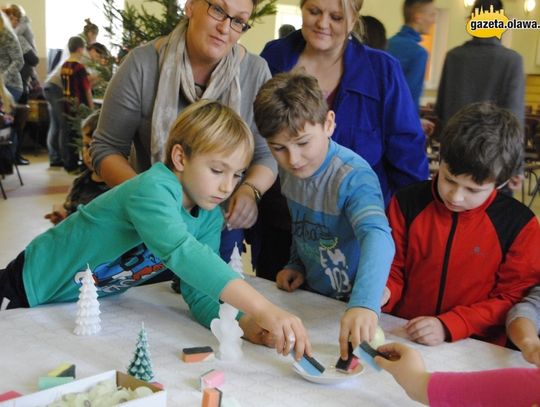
(447, 251)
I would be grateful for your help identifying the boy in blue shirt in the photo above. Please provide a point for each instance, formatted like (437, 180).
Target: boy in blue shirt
(342, 247)
(173, 208)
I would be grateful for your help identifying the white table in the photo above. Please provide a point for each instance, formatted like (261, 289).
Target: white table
(34, 341)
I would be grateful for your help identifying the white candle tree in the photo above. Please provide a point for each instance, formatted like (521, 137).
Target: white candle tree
(87, 321)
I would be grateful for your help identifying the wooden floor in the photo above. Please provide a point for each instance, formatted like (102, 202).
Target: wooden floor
(22, 214)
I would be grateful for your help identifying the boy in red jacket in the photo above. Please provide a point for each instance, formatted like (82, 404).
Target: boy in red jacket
(465, 253)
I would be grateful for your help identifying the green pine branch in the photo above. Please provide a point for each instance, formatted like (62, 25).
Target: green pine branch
(138, 26)
(264, 8)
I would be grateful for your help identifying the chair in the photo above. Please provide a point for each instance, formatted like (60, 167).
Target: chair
(432, 143)
(532, 126)
(532, 165)
(7, 159)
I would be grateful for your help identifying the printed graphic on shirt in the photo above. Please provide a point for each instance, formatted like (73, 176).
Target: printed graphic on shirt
(132, 268)
(335, 266)
(316, 242)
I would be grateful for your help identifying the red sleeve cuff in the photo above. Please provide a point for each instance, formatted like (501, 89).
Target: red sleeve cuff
(456, 326)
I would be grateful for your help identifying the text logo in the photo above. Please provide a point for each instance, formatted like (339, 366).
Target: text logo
(484, 24)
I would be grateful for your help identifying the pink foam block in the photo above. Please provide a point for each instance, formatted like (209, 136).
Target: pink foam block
(9, 395)
(158, 385)
(355, 363)
(212, 378)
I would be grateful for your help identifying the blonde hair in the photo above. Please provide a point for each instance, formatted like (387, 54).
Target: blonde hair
(347, 6)
(90, 27)
(208, 126)
(15, 10)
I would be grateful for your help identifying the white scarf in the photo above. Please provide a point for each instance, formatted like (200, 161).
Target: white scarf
(176, 76)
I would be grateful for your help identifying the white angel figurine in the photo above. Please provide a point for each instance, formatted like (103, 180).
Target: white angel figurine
(228, 332)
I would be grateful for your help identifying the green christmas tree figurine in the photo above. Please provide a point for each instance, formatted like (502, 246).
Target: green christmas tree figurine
(141, 365)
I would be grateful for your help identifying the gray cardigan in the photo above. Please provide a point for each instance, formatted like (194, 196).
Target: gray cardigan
(528, 308)
(126, 115)
(11, 59)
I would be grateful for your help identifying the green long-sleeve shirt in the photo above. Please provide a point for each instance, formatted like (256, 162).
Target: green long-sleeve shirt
(107, 234)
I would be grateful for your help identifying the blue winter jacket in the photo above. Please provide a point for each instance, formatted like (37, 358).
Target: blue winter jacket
(375, 114)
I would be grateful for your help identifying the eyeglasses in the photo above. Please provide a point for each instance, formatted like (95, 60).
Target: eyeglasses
(217, 13)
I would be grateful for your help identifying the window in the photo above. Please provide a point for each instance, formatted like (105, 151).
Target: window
(287, 15)
(59, 28)
(435, 42)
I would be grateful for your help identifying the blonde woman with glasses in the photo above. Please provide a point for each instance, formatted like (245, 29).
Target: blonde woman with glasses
(200, 59)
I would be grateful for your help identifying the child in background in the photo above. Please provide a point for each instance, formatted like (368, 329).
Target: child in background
(523, 326)
(516, 387)
(77, 90)
(465, 253)
(86, 186)
(98, 53)
(172, 208)
(98, 68)
(342, 247)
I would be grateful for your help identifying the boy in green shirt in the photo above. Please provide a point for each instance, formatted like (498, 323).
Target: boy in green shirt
(173, 209)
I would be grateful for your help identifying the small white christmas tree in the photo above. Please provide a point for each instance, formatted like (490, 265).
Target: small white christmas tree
(141, 365)
(236, 261)
(87, 321)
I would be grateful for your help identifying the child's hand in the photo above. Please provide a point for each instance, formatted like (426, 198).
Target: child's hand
(515, 182)
(531, 351)
(428, 127)
(426, 330)
(357, 325)
(408, 369)
(289, 280)
(286, 329)
(242, 212)
(58, 214)
(254, 333)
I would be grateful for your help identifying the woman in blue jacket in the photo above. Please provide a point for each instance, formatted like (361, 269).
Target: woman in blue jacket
(375, 114)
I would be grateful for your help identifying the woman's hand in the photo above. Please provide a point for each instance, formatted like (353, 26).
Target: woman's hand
(289, 279)
(243, 211)
(357, 325)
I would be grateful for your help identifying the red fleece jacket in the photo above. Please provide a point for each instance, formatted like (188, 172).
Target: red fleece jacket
(467, 268)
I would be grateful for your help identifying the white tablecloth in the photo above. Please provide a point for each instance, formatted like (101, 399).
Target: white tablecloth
(34, 341)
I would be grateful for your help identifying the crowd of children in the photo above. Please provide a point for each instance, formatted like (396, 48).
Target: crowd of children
(88, 185)
(460, 262)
